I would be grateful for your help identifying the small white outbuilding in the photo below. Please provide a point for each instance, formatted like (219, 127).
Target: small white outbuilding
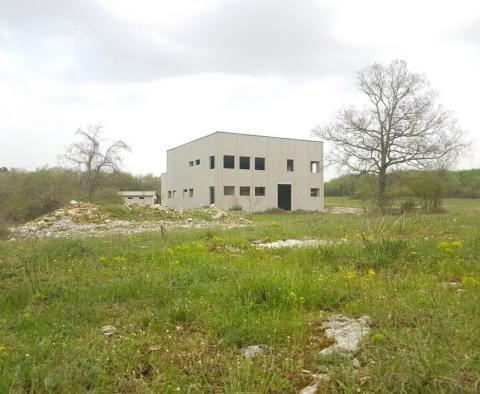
(139, 197)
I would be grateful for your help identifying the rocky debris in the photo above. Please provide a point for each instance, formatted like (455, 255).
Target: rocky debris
(292, 243)
(85, 219)
(317, 380)
(253, 350)
(108, 330)
(356, 364)
(351, 210)
(346, 332)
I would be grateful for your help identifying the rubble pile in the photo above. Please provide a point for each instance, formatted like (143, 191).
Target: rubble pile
(351, 210)
(85, 219)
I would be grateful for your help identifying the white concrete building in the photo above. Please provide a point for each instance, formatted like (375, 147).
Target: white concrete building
(139, 197)
(251, 171)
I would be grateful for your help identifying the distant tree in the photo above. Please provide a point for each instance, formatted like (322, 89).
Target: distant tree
(400, 127)
(94, 155)
(3, 169)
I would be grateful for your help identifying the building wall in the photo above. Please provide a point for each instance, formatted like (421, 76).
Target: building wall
(181, 176)
(147, 200)
(276, 151)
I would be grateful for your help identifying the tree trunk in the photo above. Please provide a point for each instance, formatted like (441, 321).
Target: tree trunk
(382, 185)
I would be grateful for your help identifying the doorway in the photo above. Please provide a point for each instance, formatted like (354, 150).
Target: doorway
(285, 197)
(212, 195)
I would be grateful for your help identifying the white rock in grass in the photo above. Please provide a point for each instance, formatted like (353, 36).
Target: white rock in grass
(313, 388)
(347, 333)
(253, 350)
(293, 243)
(108, 330)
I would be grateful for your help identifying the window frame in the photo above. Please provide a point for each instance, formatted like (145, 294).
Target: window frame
(290, 168)
(258, 189)
(240, 162)
(212, 162)
(232, 162)
(244, 188)
(315, 165)
(225, 190)
(314, 192)
(258, 161)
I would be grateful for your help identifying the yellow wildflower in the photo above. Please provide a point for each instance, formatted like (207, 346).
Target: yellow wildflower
(371, 273)
(2, 348)
(468, 280)
(102, 259)
(457, 244)
(350, 275)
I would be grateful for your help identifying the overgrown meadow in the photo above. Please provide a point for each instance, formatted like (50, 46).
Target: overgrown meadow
(183, 306)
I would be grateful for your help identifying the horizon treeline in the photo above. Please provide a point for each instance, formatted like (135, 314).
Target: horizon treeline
(428, 188)
(25, 195)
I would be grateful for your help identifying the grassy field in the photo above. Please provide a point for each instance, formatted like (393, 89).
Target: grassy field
(184, 305)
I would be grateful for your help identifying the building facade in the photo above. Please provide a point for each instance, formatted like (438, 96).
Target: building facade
(139, 197)
(253, 172)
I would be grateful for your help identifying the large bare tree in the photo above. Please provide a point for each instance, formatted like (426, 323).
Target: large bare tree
(95, 155)
(400, 126)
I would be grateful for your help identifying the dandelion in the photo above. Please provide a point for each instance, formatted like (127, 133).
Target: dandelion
(350, 275)
(378, 338)
(371, 273)
(2, 348)
(468, 280)
(457, 244)
(120, 259)
(443, 245)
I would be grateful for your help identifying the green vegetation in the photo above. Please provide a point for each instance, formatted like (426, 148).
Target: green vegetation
(25, 195)
(184, 304)
(409, 190)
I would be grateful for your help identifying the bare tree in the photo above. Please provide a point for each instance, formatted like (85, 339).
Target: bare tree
(401, 126)
(94, 155)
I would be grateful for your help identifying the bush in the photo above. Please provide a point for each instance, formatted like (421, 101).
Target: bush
(236, 207)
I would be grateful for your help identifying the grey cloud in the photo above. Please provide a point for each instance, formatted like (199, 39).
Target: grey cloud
(271, 37)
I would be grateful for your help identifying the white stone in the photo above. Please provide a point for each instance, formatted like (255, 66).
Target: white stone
(108, 330)
(347, 333)
(293, 243)
(253, 350)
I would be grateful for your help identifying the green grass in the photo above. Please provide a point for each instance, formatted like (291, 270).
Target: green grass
(183, 305)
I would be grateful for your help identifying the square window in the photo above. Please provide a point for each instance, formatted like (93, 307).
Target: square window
(173, 193)
(229, 190)
(244, 190)
(244, 162)
(289, 165)
(314, 192)
(212, 162)
(169, 194)
(190, 192)
(190, 163)
(260, 191)
(315, 167)
(185, 191)
(197, 162)
(228, 161)
(259, 163)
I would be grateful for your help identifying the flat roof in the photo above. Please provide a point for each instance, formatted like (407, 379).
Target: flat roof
(244, 134)
(137, 193)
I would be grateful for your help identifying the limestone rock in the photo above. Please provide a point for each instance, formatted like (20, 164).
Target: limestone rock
(108, 330)
(346, 332)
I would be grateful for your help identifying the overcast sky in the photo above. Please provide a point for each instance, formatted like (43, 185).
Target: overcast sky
(159, 73)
